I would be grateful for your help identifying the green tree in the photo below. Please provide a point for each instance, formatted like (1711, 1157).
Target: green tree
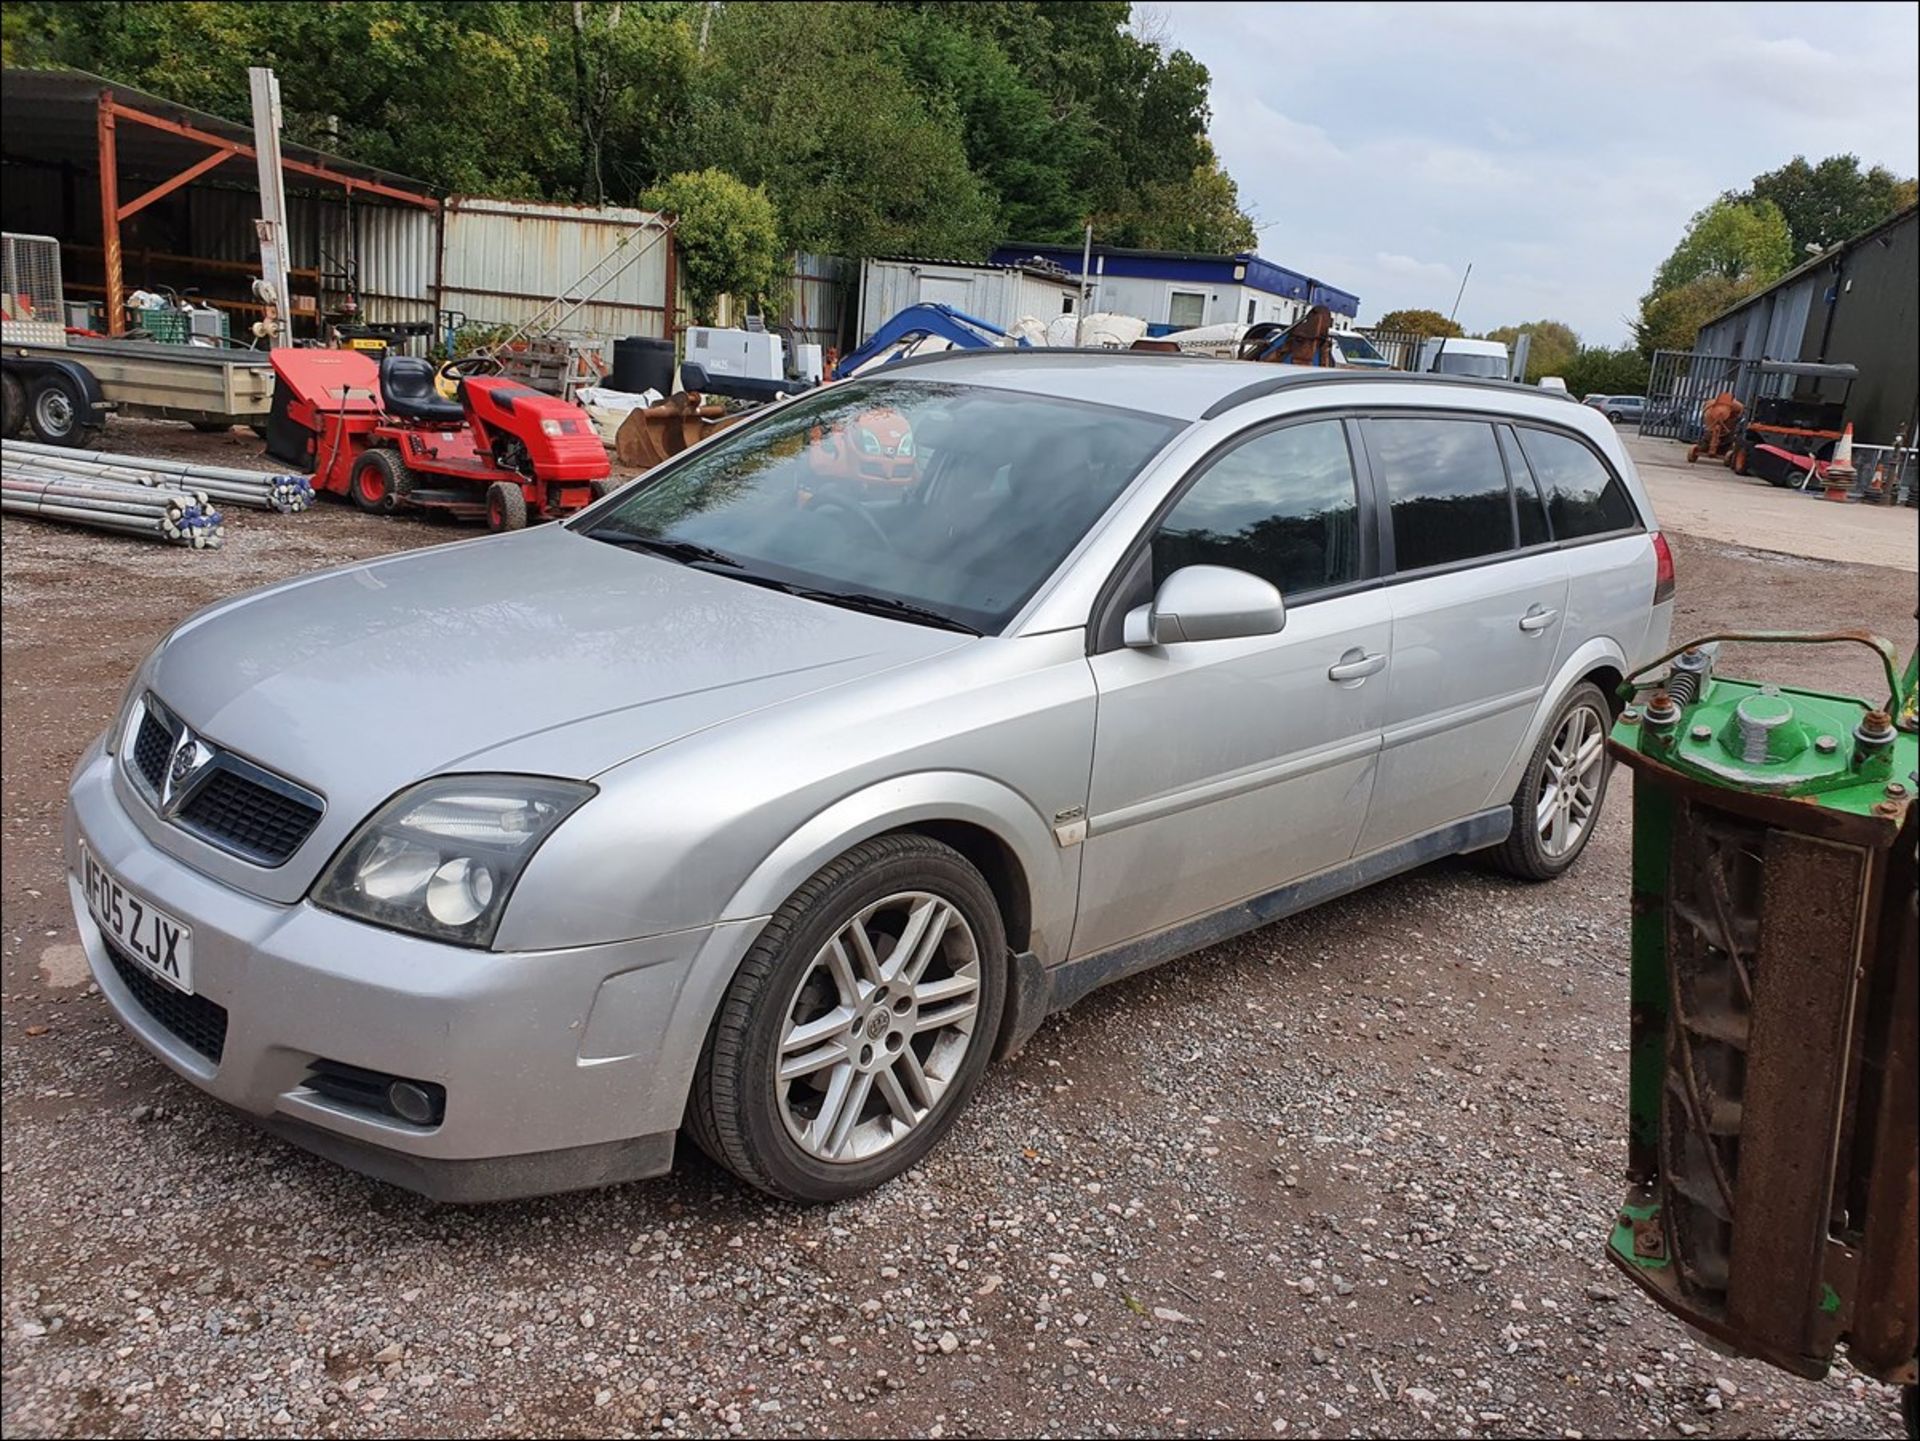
(1746, 242)
(1830, 201)
(1199, 212)
(1595, 370)
(1552, 347)
(729, 238)
(800, 99)
(1419, 322)
(1671, 320)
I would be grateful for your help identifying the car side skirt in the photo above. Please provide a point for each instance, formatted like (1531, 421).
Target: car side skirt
(1074, 979)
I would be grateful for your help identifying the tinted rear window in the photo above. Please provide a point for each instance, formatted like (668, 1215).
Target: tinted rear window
(1446, 488)
(1583, 497)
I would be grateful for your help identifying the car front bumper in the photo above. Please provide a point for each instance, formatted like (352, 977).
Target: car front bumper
(562, 1069)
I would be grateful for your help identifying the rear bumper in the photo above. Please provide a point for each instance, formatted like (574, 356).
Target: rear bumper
(562, 1068)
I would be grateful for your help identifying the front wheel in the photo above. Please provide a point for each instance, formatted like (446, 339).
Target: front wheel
(58, 412)
(506, 506)
(1558, 803)
(857, 1026)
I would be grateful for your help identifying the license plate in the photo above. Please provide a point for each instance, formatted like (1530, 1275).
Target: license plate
(163, 945)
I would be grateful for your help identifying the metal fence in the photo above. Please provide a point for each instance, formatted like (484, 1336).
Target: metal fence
(1681, 383)
(1399, 348)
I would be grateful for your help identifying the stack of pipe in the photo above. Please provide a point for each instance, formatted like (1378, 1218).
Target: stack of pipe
(178, 517)
(251, 488)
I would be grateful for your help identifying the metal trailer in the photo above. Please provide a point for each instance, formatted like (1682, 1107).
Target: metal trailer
(66, 386)
(210, 389)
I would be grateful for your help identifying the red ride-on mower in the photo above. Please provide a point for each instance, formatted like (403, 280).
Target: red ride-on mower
(385, 437)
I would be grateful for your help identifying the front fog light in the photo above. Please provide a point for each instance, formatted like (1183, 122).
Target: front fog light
(458, 892)
(440, 860)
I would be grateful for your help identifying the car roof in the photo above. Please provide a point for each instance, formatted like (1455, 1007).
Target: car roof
(1186, 387)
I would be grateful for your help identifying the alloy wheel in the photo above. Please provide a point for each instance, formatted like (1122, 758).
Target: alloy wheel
(878, 1027)
(1570, 781)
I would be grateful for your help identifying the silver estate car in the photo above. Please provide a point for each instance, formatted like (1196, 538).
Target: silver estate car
(774, 795)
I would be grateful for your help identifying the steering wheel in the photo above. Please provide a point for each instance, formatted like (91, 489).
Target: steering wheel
(479, 363)
(827, 500)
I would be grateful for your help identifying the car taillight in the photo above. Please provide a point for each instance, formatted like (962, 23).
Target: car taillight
(1663, 569)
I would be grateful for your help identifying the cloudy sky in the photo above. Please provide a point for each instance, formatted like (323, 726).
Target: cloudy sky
(1560, 148)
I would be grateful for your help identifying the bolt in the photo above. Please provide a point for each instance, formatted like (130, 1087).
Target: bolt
(1661, 710)
(866, 1055)
(1826, 745)
(1630, 716)
(1877, 724)
(1701, 733)
(1886, 808)
(903, 1004)
(1895, 789)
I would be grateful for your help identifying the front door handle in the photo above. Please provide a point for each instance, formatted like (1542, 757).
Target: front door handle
(1537, 619)
(1357, 664)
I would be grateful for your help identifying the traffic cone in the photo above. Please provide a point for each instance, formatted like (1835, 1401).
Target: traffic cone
(1840, 474)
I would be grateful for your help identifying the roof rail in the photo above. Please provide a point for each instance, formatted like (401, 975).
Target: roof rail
(1296, 374)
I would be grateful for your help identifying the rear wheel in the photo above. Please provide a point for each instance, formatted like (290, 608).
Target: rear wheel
(378, 481)
(1558, 803)
(857, 1026)
(13, 406)
(506, 506)
(1614, 416)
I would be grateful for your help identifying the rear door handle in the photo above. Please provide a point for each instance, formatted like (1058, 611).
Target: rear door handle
(1356, 664)
(1537, 619)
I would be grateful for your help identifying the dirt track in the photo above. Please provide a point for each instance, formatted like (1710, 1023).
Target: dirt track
(1345, 1176)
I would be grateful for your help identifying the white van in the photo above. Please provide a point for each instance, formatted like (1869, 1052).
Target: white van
(1485, 359)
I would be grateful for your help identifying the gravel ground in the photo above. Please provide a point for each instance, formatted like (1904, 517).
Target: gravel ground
(1347, 1176)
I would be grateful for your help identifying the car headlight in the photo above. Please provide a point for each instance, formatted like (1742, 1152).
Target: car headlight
(905, 447)
(867, 440)
(441, 858)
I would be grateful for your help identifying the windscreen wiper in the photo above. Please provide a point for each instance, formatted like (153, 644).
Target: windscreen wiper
(888, 605)
(683, 551)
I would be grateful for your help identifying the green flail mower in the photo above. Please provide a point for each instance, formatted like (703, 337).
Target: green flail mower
(1773, 1089)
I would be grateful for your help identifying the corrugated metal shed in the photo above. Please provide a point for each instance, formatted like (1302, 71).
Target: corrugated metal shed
(502, 261)
(1001, 294)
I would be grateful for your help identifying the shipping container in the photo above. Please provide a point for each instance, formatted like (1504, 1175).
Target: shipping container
(1002, 295)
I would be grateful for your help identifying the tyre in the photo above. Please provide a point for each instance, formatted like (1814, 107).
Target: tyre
(378, 481)
(13, 406)
(57, 411)
(1558, 803)
(506, 506)
(857, 1026)
(1614, 416)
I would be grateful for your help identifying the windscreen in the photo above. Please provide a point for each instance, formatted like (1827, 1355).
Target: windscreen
(953, 500)
(1455, 362)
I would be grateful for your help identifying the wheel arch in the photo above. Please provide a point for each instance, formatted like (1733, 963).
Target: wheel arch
(1600, 660)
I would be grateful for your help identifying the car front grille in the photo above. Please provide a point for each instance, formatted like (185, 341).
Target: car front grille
(199, 1022)
(248, 818)
(226, 800)
(150, 748)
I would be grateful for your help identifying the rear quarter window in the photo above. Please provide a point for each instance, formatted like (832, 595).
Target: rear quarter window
(1583, 496)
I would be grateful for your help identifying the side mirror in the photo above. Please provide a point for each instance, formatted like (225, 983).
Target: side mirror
(1206, 602)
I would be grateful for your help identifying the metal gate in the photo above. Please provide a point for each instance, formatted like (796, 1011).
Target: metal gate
(1681, 384)
(1683, 381)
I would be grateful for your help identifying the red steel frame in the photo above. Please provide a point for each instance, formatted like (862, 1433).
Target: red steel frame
(112, 212)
